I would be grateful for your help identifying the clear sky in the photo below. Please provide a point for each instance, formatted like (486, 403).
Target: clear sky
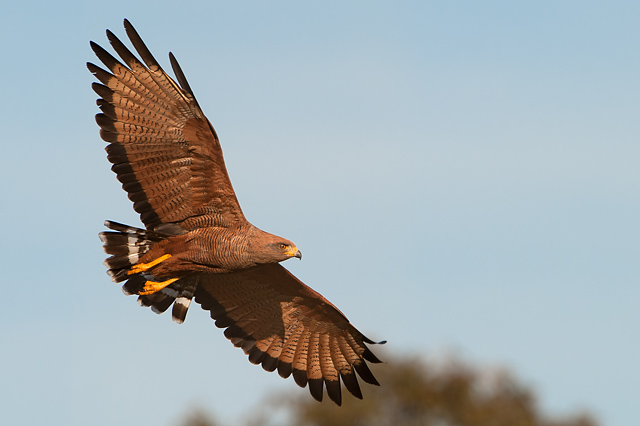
(462, 177)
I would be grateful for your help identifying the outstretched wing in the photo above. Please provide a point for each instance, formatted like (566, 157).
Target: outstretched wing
(163, 149)
(283, 324)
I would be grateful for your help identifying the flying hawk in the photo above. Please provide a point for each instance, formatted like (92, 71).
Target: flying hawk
(197, 242)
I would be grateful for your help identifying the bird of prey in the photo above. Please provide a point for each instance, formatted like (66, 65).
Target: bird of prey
(197, 242)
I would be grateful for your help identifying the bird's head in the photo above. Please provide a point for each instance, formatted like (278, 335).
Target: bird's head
(269, 248)
(285, 249)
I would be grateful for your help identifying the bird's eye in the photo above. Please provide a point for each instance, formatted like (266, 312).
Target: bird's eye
(283, 246)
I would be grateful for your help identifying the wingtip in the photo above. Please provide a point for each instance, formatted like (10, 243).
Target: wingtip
(300, 377)
(316, 388)
(97, 49)
(369, 356)
(373, 342)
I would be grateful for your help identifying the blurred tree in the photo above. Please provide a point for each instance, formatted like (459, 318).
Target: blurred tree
(198, 417)
(412, 394)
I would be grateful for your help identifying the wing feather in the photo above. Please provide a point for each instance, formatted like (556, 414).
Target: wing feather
(162, 147)
(164, 90)
(282, 324)
(329, 373)
(313, 355)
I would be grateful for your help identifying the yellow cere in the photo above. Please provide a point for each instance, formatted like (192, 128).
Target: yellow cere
(292, 252)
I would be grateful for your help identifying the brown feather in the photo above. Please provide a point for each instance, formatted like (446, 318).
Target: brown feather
(287, 329)
(143, 110)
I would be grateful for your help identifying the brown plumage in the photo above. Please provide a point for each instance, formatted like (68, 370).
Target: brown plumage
(197, 242)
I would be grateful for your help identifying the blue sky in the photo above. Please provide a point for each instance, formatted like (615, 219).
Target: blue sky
(461, 178)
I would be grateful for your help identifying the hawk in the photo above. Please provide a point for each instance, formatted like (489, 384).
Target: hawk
(197, 244)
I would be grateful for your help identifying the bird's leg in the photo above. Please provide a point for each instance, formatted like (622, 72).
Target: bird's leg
(151, 287)
(141, 267)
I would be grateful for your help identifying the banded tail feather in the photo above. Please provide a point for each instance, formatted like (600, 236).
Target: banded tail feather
(126, 245)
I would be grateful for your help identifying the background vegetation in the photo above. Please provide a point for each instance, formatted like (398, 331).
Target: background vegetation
(416, 393)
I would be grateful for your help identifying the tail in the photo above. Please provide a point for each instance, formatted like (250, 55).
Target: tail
(126, 246)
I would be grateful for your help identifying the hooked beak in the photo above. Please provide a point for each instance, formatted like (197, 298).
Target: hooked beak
(294, 252)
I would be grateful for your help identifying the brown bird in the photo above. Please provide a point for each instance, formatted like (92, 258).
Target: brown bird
(197, 242)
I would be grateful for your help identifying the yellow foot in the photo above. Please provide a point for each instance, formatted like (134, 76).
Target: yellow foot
(151, 287)
(141, 267)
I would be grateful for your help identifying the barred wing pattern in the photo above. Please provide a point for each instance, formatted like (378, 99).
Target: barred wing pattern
(283, 324)
(163, 149)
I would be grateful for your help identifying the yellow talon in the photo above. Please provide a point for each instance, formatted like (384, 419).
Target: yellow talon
(151, 287)
(141, 267)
